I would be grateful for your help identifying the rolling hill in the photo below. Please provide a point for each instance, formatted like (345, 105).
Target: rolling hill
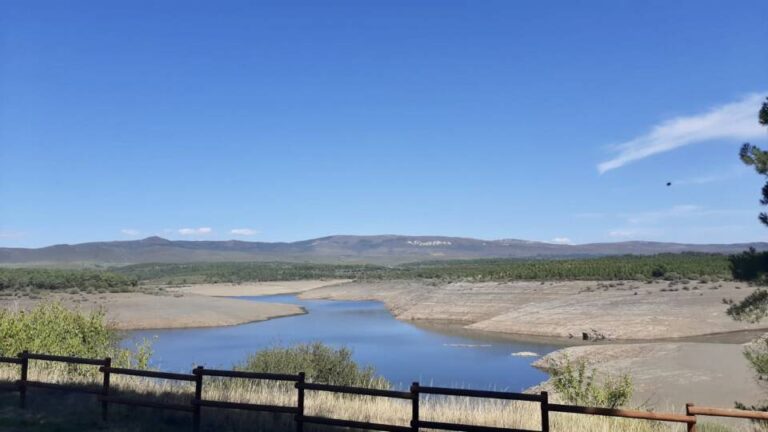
(378, 249)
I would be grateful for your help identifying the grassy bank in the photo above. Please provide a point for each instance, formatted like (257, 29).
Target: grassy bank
(54, 411)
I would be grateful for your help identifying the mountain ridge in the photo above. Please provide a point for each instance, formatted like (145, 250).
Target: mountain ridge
(374, 249)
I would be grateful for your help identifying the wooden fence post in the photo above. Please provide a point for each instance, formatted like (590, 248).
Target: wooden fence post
(24, 355)
(691, 426)
(198, 397)
(544, 411)
(415, 406)
(300, 402)
(105, 389)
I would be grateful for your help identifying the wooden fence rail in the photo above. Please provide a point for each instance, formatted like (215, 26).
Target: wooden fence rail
(299, 380)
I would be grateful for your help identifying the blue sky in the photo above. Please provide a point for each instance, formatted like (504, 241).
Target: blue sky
(279, 121)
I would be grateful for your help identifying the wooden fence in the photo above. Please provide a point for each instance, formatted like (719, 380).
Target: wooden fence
(414, 395)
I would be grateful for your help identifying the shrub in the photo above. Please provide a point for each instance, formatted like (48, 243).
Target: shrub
(51, 328)
(752, 309)
(321, 363)
(576, 383)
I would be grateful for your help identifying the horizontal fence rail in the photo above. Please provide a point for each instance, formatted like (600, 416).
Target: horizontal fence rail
(197, 402)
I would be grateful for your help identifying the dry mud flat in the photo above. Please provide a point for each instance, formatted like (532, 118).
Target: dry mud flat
(258, 288)
(667, 375)
(627, 310)
(184, 307)
(132, 311)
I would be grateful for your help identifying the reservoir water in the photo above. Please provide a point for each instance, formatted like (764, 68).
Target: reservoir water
(400, 351)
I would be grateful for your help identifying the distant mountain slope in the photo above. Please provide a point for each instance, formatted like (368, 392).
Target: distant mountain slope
(381, 249)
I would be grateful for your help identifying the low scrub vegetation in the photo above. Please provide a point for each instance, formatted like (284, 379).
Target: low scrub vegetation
(629, 267)
(35, 279)
(666, 266)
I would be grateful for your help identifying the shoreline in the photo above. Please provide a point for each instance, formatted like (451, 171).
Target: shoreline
(703, 368)
(563, 310)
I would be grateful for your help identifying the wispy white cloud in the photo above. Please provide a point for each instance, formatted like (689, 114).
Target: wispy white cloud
(561, 240)
(680, 212)
(623, 233)
(635, 233)
(130, 232)
(683, 219)
(733, 172)
(195, 231)
(10, 234)
(589, 215)
(244, 232)
(733, 121)
(654, 216)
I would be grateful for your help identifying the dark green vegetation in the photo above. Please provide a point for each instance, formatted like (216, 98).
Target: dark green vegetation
(245, 272)
(753, 155)
(321, 363)
(628, 267)
(753, 266)
(665, 266)
(32, 279)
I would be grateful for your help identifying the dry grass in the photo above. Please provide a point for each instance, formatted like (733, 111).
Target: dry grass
(522, 415)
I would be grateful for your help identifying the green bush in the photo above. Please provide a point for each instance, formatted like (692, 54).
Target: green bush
(576, 383)
(321, 363)
(51, 328)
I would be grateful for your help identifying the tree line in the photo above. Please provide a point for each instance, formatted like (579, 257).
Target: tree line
(17, 279)
(630, 267)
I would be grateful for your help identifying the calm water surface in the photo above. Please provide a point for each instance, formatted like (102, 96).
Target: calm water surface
(400, 351)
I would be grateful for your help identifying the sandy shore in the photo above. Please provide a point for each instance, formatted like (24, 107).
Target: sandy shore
(616, 310)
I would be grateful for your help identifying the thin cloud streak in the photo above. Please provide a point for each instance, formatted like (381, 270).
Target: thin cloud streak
(562, 240)
(195, 231)
(733, 121)
(244, 232)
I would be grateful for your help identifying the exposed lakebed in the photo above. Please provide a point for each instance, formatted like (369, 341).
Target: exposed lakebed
(400, 351)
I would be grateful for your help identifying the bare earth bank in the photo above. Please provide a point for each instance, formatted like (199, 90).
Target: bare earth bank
(258, 288)
(667, 375)
(617, 310)
(131, 311)
(184, 307)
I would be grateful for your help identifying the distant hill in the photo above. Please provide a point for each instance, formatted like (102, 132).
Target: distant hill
(378, 249)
